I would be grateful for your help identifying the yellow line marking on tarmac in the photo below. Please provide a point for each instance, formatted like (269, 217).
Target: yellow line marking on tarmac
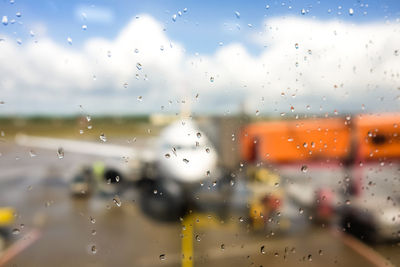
(367, 252)
(19, 246)
(187, 241)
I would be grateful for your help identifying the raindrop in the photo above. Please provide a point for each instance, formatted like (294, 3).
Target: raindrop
(103, 137)
(138, 66)
(351, 12)
(94, 232)
(60, 153)
(296, 45)
(301, 210)
(212, 79)
(198, 135)
(186, 161)
(88, 118)
(32, 153)
(162, 257)
(240, 219)
(320, 252)
(309, 257)
(348, 202)
(18, 14)
(303, 11)
(262, 250)
(198, 238)
(81, 131)
(69, 40)
(92, 220)
(267, 6)
(237, 14)
(19, 41)
(305, 145)
(109, 53)
(140, 98)
(167, 155)
(208, 150)
(16, 231)
(136, 50)
(304, 168)
(257, 112)
(117, 179)
(4, 20)
(208, 173)
(185, 10)
(174, 17)
(222, 246)
(84, 27)
(31, 33)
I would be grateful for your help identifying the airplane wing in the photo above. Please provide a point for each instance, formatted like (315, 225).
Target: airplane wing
(83, 147)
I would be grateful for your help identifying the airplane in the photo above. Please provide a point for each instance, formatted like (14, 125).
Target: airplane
(169, 176)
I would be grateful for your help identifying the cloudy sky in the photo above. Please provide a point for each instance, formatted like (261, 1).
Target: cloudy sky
(130, 57)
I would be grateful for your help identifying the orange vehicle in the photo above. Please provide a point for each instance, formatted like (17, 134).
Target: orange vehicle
(364, 137)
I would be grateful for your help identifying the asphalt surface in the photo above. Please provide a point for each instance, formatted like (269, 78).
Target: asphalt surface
(58, 230)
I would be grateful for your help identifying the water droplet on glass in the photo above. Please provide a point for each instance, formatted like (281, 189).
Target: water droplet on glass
(117, 201)
(93, 249)
(303, 11)
(351, 11)
(60, 153)
(69, 40)
(138, 66)
(237, 14)
(84, 27)
(348, 202)
(262, 250)
(212, 79)
(173, 17)
(296, 45)
(4, 20)
(162, 257)
(18, 14)
(140, 98)
(19, 41)
(92, 220)
(309, 257)
(186, 160)
(94, 232)
(267, 6)
(257, 112)
(117, 179)
(301, 210)
(240, 219)
(208, 150)
(198, 135)
(185, 10)
(167, 155)
(103, 137)
(304, 168)
(16, 231)
(222, 246)
(198, 238)
(32, 153)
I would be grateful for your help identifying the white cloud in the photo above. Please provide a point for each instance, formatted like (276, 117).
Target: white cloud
(336, 65)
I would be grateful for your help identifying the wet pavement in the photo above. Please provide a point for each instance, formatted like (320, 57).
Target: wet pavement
(67, 231)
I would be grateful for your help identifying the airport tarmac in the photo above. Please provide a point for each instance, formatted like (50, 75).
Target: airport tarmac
(58, 230)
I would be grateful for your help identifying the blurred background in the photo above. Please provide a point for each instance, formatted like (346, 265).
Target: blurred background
(186, 133)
